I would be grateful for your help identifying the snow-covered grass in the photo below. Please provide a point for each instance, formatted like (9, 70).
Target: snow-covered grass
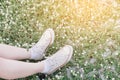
(92, 27)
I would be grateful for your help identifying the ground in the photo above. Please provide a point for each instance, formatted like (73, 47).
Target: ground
(92, 27)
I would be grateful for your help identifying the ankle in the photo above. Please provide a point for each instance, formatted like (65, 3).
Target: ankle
(41, 66)
(30, 54)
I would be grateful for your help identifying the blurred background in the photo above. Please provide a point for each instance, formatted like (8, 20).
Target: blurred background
(92, 27)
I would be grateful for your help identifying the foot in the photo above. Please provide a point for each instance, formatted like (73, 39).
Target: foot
(58, 60)
(38, 50)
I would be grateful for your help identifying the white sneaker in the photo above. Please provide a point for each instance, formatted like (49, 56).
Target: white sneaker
(58, 60)
(38, 50)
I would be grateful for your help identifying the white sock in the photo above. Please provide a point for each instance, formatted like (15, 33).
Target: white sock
(46, 67)
(34, 55)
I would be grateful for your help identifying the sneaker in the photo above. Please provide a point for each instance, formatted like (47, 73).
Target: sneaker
(38, 50)
(58, 60)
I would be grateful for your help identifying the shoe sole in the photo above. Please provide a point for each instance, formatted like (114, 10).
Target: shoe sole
(53, 36)
(70, 55)
(52, 33)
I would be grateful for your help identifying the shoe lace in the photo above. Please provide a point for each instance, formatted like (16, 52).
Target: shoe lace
(52, 62)
(56, 60)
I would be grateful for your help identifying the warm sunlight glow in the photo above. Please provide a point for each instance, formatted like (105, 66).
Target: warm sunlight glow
(91, 12)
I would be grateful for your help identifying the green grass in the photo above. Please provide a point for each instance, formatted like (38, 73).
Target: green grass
(91, 27)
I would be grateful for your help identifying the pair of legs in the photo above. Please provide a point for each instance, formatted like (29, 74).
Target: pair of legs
(11, 68)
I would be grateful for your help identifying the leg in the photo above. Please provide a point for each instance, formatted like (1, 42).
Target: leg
(11, 52)
(36, 52)
(11, 69)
